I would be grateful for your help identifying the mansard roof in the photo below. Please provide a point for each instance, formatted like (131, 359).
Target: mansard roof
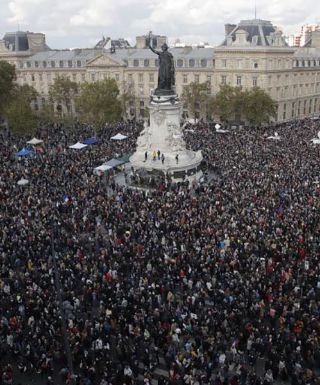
(16, 41)
(122, 56)
(254, 33)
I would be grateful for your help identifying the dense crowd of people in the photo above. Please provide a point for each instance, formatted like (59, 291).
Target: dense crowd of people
(218, 281)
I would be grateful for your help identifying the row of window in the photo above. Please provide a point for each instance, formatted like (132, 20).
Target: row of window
(239, 80)
(179, 63)
(240, 63)
(186, 78)
(191, 63)
(203, 63)
(307, 63)
(244, 63)
(52, 64)
(301, 108)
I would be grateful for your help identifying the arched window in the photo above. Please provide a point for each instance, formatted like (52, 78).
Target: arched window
(192, 62)
(204, 63)
(136, 63)
(180, 63)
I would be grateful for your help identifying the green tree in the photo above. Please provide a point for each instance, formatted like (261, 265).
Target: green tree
(28, 92)
(62, 93)
(21, 117)
(7, 77)
(127, 99)
(98, 102)
(259, 107)
(228, 103)
(195, 98)
(46, 113)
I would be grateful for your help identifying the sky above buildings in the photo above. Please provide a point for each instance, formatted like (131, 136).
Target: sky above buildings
(81, 23)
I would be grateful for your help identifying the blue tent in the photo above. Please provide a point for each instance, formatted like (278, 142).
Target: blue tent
(90, 141)
(24, 152)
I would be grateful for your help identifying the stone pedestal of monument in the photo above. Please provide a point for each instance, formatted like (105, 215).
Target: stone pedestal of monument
(165, 135)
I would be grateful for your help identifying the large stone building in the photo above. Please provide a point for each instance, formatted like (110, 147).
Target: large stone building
(253, 53)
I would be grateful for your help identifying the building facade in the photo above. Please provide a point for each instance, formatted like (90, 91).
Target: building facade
(253, 53)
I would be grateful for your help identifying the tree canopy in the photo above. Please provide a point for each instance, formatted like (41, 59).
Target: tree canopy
(235, 104)
(195, 98)
(21, 117)
(62, 92)
(15, 101)
(98, 102)
(7, 77)
(258, 106)
(228, 102)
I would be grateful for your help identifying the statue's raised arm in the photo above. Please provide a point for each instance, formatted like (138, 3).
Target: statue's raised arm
(149, 44)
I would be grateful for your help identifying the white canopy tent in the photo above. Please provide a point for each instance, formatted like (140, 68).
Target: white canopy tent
(101, 169)
(78, 146)
(219, 130)
(119, 137)
(316, 140)
(35, 141)
(274, 137)
(22, 182)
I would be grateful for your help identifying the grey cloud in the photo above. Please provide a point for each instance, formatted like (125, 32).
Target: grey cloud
(79, 22)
